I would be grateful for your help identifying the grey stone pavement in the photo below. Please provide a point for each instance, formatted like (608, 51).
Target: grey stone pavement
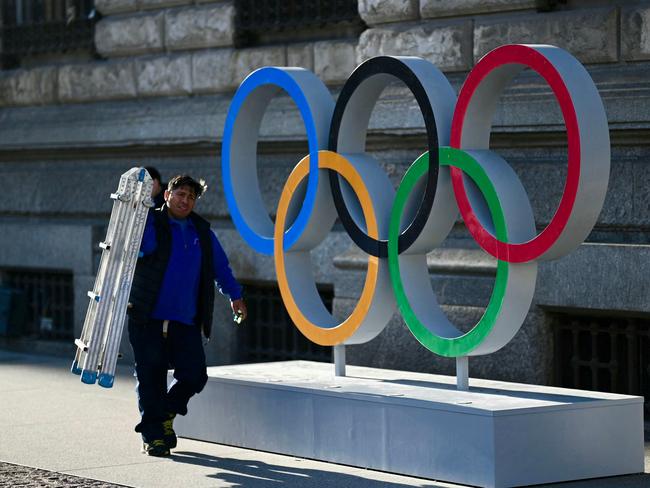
(56, 431)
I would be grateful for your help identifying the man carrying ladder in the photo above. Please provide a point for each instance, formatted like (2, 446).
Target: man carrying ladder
(170, 308)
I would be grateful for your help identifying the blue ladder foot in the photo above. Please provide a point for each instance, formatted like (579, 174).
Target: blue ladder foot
(89, 377)
(106, 380)
(75, 369)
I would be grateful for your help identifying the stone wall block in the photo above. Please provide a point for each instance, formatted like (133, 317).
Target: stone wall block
(588, 34)
(200, 27)
(154, 4)
(28, 87)
(97, 81)
(248, 60)
(212, 71)
(164, 76)
(50, 245)
(137, 34)
(635, 34)
(334, 61)
(445, 8)
(375, 12)
(448, 46)
(109, 7)
(301, 55)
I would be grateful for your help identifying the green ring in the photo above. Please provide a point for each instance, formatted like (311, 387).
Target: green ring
(465, 343)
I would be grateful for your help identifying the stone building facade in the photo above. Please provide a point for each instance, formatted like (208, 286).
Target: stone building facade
(157, 93)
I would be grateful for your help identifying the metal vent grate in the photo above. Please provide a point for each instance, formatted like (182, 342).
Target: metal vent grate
(49, 301)
(45, 26)
(269, 333)
(267, 21)
(609, 354)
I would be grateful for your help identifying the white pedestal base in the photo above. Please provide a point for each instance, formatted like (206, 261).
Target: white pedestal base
(494, 435)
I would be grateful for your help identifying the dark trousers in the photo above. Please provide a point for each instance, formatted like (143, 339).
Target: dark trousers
(181, 350)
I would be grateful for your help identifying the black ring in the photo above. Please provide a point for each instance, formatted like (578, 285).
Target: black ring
(390, 66)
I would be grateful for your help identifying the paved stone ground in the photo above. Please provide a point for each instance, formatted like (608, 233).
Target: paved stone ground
(14, 475)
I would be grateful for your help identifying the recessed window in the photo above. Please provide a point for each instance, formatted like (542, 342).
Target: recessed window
(40, 303)
(270, 335)
(603, 353)
(260, 22)
(40, 31)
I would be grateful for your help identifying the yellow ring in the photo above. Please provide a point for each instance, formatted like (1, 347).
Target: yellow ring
(326, 336)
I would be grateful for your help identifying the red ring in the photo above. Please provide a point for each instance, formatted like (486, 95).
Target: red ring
(526, 251)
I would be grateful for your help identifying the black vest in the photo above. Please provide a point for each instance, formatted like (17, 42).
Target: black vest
(150, 272)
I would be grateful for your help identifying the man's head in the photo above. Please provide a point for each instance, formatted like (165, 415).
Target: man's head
(181, 195)
(155, 176)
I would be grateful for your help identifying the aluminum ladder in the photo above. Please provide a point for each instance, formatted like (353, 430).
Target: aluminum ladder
(98, 346)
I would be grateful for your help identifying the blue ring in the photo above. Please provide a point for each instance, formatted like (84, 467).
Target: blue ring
(270, 76)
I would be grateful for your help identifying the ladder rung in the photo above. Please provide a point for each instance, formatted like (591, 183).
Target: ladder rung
(94, 296)
(79, 343)
(122, 197)
(104, 245)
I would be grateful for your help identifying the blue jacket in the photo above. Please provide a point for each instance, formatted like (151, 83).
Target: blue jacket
(178, 296)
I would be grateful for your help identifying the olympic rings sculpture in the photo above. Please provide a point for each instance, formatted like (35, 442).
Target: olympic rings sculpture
(458, 172)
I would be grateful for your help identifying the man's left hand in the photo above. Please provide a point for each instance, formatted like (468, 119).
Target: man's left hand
(239, 308)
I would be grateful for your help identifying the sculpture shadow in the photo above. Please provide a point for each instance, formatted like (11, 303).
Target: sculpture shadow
(259, 474)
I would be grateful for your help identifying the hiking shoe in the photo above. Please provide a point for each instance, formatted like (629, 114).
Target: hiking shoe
(169, 435)
(156, 448)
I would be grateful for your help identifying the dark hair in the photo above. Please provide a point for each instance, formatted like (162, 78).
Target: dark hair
(154, 173)
(199, 187)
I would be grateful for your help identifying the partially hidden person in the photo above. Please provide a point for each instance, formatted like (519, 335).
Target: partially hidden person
(157, 192)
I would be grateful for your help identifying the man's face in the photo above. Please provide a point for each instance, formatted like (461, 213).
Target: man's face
(180, 201)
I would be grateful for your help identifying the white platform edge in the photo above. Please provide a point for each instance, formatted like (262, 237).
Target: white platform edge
(495, 434)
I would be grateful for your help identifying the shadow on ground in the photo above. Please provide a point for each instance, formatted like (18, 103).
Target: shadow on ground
(630, 481)
(257, 474)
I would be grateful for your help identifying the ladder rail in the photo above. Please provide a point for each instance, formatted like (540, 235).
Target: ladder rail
(123, 286)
